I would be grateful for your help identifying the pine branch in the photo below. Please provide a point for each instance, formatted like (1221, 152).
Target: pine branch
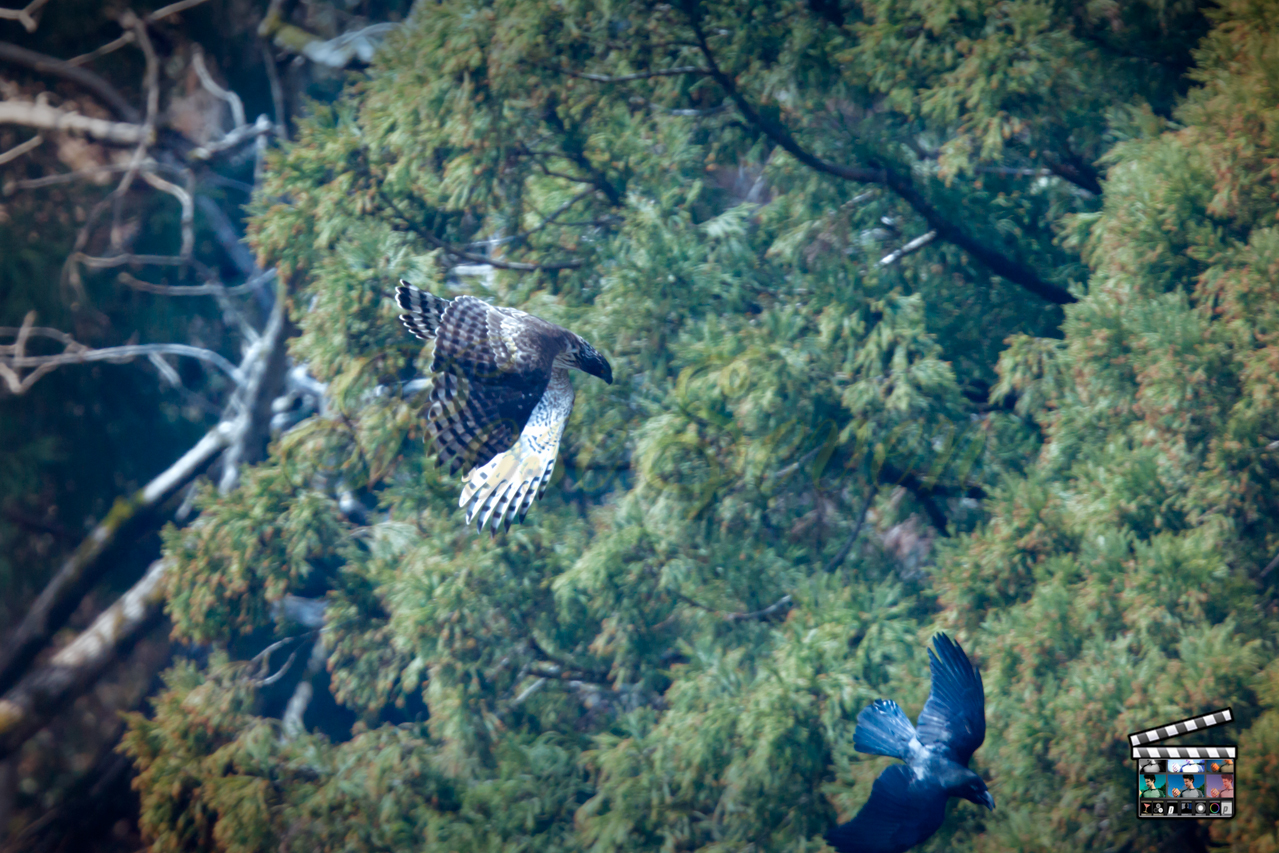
(1009, 268)
(429, 236)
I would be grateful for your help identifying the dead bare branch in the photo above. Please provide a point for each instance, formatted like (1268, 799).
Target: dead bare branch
(210, 288)
(82, 77)
(38, 695)
(110, 47)
(25, 15)
(842, 553)
(172, 9)
(32, 702)
(770, 610)
(86, 174)
(206, 80)
(21, 148)
(150, 85)
(643, 75)
(184, 199)
(50, 610)
(464, 255)
(266, 363)
(277, 92)
(234, 137)
(913, 246)
(13, 357)
(44, 117)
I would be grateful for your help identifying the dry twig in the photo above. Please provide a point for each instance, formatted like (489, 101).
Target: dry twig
(25, 15)
(21, 148)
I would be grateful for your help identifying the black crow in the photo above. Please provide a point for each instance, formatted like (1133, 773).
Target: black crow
(908, 801)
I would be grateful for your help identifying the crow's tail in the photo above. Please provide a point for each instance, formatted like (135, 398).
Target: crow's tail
(882, 729)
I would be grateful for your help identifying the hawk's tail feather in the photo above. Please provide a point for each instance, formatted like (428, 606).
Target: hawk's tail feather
(425, 310)
(882, 729)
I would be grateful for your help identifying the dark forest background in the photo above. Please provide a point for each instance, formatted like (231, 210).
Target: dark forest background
(945, 314)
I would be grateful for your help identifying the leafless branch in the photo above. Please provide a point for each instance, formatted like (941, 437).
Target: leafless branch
(685, 112)
(267, 362)
(277, 92)
(430, 237)
(913, 246)
(25, 15)
(842, 553)
(206, 80)
(291, 720)
(642, 75)
(172, 9)
(108, 261)
(150, 85)
(33, 701)
(263, 660)
(38, 695)
(768, 611)
(42, 116)
(184, 199)
(524, 694)
(41, 364)
(212, 287)
(550, 219)
(237, 136)
(82, 77)
(55, 603)
(21, 148)
(89, 173)
(110, 47)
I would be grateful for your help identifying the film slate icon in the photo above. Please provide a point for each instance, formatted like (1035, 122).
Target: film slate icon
(1185, 782)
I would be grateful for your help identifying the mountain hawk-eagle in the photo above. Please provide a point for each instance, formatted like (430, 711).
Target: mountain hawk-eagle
(501, 397)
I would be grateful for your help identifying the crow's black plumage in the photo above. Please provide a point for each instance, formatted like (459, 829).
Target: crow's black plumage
(908, 801)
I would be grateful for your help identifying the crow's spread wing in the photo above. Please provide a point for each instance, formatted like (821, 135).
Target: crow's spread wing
(900, 813)
(954, 717)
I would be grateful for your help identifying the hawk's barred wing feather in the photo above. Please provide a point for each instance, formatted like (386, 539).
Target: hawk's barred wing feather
(425, 310)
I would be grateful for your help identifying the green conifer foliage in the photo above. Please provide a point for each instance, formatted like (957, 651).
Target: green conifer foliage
(671, 653)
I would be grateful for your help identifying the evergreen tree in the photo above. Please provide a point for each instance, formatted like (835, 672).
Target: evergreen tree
(1066, 386)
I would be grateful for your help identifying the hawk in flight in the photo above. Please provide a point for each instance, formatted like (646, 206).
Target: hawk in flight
(501, 398)
(908, 801)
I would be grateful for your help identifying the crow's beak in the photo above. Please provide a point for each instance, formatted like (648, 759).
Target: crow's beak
(988, 801)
